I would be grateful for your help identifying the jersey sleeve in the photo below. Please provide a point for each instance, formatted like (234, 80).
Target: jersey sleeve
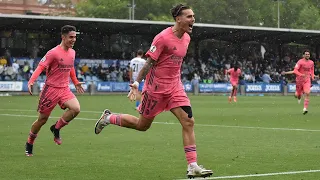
(156, 48)
(296, 68)
(47, 59)
(73, 76)
(36, 74)
(298, 65)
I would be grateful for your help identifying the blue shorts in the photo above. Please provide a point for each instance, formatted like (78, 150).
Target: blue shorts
(141, 86)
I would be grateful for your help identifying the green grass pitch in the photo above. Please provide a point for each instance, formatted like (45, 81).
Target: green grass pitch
(256, 135)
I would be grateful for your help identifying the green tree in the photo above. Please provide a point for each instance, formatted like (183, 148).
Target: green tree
(302, 14)
(308, 18)
(156, 10)
(261, 13)
(103, 9)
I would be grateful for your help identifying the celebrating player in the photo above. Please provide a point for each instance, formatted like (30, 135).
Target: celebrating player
(304, 69)
(235, 73)
(296, 95)
(59, 66)
(136, 65)
(163, 87)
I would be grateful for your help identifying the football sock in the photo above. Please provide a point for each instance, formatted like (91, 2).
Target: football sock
(191, 153)
(115, 119)
(60, 123)
(32, 137)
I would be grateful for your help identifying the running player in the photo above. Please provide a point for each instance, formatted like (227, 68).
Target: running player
(304, 69)
(296, 94)
(59, 66)
(136, 65)
(235, 73)
(163, 88)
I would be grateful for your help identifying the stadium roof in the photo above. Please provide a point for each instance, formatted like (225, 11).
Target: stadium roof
(201, 31)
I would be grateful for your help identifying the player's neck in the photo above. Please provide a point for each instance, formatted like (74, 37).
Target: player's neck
(64, 47)
(177, 31)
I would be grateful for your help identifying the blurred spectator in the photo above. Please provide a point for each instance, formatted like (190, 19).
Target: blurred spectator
(195, 80)
(3, 61)
(26, 71)
(85, 70)
(266, 77)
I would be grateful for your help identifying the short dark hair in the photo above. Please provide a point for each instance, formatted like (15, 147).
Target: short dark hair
(307, 50)
(176, 11)
(140, 52)
(67, 28)
(235, 65)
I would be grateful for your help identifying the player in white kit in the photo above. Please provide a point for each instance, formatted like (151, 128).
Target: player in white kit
(136, 65)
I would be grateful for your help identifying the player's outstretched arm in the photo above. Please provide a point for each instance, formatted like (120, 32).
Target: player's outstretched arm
(142, 75)
(75, 81)
(34, 77)
(287, 72)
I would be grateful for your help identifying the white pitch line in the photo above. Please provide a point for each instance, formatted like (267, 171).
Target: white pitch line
(259, 175)
(35, 110)
(203, 125)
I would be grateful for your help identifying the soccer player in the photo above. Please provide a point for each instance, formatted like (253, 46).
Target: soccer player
(59, 66)
(296, 95)
(303, 70)
(136, 65)
(163, 88)
(235, 73)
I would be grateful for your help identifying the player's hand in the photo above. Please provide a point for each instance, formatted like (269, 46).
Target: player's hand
(30, 88)
(79, 88)
(132, 95)
(283, 73)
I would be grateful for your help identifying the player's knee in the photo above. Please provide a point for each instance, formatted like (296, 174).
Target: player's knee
(76, 110)
(142, 128)
(188, 123)
(42, 120)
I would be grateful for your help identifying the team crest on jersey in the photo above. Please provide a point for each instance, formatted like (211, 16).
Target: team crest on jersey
(43, 59)
(153, 48)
